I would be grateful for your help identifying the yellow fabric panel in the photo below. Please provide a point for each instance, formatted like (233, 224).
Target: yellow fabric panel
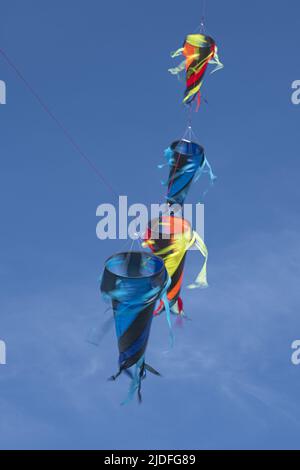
(174, 253)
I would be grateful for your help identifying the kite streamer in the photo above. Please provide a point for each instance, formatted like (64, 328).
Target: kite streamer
(170, 237)
(199, 51)
(187, 162)
(134, 281)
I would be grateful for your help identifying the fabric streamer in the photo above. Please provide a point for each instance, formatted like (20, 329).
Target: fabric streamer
(187, 162)
(199, 51)
(170, 237)
(134, 282)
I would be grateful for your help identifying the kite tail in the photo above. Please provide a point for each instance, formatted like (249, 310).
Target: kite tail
(209, 170)
(177, 53)
(216, 61)
(201, 279)
(177, 70)
(166, 304)
(177, 308)
(179, 312)
(115, 376)
(198, 101)
(142, 375)
(180, 305)
(150, 369)
(136, 380)
(159, 309)
(181, 66)
(205, 168)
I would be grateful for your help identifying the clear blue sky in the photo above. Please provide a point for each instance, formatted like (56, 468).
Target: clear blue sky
(102, 68)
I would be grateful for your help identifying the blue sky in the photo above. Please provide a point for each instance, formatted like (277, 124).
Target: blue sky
(102, 68)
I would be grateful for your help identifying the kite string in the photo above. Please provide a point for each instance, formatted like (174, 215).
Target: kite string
(202, 23)
(66, 133)
(201, 28)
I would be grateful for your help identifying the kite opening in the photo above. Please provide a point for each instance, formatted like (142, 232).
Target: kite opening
(134, 264)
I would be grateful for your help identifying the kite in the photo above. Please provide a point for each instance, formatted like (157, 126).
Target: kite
(187, 162)
(170, 237)
(134, 282)
(199, 51)
(143, 284)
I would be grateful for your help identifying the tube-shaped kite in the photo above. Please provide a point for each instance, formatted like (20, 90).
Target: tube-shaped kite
(134, 281)
(199, 51)
(187, 161)
(170, 237)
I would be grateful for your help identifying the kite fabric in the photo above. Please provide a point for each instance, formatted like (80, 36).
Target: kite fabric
(199, 51)
(170, 237)
(187, 162)
(134, 282)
